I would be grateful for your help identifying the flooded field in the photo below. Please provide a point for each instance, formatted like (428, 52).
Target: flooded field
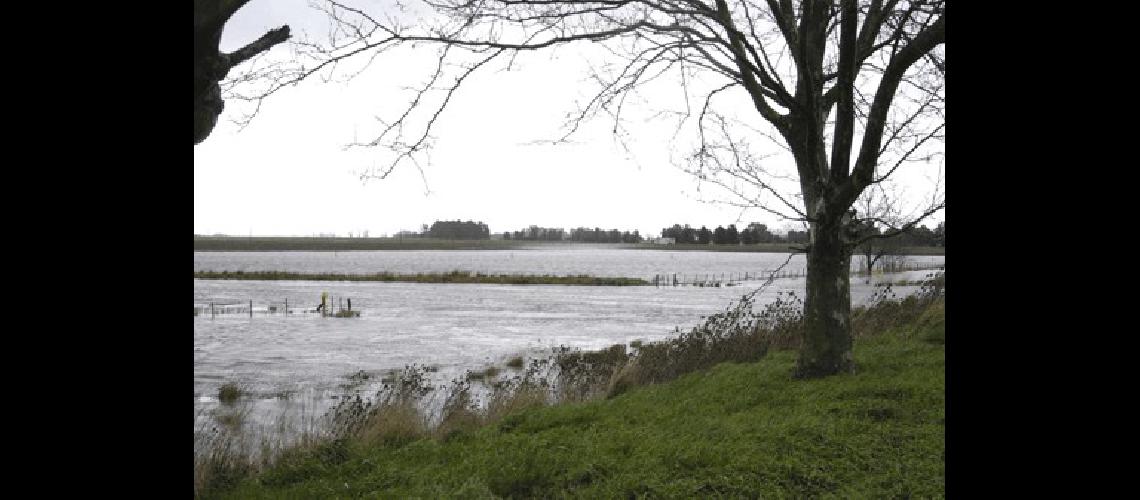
(573, 260)
(283, 361)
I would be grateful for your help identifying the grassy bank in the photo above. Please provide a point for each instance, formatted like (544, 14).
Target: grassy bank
(451, 277)
(739, 429)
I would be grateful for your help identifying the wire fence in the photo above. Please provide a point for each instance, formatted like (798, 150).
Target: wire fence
(736, 278)
(343, 307)
(337, 307)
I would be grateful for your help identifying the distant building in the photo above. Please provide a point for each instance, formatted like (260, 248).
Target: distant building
(665, 241)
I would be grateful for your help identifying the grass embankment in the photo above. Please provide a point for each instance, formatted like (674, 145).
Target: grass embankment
(451, 277)
(736, 429)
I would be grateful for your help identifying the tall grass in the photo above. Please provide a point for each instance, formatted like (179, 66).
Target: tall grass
(229, 393)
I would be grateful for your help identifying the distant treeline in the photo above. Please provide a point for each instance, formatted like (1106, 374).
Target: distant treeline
(759, 233)
(754, 233)
(587, 235)
(457, 230)
(920, 236)
(470, 230)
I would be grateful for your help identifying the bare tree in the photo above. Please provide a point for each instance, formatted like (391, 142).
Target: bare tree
(211, 66)
(850, 90)
(876, 212)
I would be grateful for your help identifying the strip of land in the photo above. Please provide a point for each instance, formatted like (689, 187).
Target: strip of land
(451, 277)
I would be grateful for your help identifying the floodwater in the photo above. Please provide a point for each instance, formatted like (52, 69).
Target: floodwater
(452, 326)
(574, 260)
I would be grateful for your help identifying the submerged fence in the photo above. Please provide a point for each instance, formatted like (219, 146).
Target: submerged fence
(343, 307)
(736, 278)
(337, 307)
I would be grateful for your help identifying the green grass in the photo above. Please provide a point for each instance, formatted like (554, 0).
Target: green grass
(451, 277)
(736, 430)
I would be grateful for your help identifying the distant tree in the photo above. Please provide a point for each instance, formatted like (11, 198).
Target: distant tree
(731, 235)
(760, 233)
(875, 249)
(704, 235)
(794, 236)
(747, 236)
(458, 230)
(921, 236)
(876, 210)
(688, 235)
(719, 235)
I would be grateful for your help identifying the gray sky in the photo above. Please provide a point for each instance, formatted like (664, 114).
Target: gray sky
(287, 173)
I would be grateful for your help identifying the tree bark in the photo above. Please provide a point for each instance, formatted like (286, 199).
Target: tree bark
(826, 348)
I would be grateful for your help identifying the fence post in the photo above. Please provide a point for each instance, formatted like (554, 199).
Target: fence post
(211, 310)
(286, 307)
(251, 308)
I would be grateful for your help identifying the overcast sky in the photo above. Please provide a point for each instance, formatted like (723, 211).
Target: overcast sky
(287, 173)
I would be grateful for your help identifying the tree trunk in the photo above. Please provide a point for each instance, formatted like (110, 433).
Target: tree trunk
(210, 18)
(211, 66)
(826, 346)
